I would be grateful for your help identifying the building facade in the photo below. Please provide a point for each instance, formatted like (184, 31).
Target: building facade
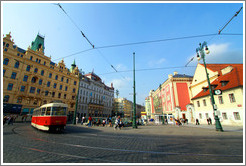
(123, 107)
(227, 78)
(169, 100)
(95, 98)
(31, 79)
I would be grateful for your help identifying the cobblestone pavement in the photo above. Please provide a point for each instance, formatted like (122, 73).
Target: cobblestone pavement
(147, 144)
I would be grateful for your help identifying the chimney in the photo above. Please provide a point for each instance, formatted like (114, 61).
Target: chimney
(111, 85)
(175, 73)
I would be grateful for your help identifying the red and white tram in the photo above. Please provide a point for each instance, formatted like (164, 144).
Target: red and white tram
(52, 116)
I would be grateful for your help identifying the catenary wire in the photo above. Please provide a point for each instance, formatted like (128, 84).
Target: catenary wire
(219, 33)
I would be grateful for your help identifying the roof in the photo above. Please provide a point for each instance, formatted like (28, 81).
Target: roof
(37, 43)
(21, 50)
(182, 76)
(234, 78)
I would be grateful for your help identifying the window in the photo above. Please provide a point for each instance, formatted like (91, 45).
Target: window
(22, 88)
(206, 114)
(40, 82)
(74, 90)
(39, 60)
(3, 43)
(38, 91)
(28, 68)
(19, 100)
(224, 83)
(198, 104)
(73, 97)
(17, 64)
(65, 88)
(60, 87)
(62, 79)
(44, 63)
(7, 45)
(4, 71)
(53, 94)
(6, 98)
(42, 72)
(75, 83)
(224, 115)
(67, 80)
(48, 84)
(34, 79)
(25, 78)
(31, 57)
(50, 75)
(46, 93)
(200, 116)
(59, 95)
(13, 76)
(6, 61)
(232, 98)
(54, 85)
(6, 49)
(220, 99)
(236, 115)
(35, 70)
(48, 110)
(65, 96)
(32, 90)
(10, 86)
(56, 77)
(204, 102)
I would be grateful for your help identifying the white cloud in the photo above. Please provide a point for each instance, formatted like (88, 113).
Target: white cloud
(220, 53)
(156, 62)
(121, 67)
(121, 83)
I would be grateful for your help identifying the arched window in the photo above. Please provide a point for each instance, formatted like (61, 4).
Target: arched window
(31, 57)
(28, 68)
(17, 64)
(56, 77)
(6, 98)
(6, 61)
(42, 72)
(35, 70)
(7, 45)
(62, 79)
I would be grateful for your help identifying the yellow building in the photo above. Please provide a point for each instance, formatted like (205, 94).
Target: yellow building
(123, 107)
(228, 78)
(31, 79)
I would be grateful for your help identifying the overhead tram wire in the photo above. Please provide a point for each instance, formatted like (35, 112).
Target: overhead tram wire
(93, 46)
(220, 30)
(149, 69)
(145, 42)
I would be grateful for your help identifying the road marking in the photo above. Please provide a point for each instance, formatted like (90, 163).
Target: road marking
(151, 152)
(69, 155)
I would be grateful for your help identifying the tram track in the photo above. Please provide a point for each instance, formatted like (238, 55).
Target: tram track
(117, 149)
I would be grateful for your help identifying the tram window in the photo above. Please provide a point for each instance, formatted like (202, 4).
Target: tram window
(43, 111)
(59, 110)
(48, 111)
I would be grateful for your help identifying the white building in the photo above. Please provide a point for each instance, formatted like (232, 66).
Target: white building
(95, 98)
(227, 78)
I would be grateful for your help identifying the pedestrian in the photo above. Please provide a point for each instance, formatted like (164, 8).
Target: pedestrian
(5, 119)
(90, 121)
(210, 121)
(22, 118)
(117, 122)
(197, 122)
(104, 122)
(82, 121)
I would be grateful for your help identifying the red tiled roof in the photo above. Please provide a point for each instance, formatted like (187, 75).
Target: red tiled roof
(235, 78)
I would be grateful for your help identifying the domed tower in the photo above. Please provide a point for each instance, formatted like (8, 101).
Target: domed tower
(38, 43)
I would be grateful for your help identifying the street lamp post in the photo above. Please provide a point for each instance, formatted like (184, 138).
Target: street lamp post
(134, 125)
(201, 54)
(161, 105)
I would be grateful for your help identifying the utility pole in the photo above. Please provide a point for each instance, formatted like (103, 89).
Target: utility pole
(134, 125)
(201, 54)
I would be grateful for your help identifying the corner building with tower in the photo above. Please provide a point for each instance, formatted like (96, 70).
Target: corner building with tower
(31, 79)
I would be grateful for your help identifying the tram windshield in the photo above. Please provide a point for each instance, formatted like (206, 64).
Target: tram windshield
(59, 110)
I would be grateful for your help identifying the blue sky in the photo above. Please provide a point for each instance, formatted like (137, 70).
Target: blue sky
(119, 23)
